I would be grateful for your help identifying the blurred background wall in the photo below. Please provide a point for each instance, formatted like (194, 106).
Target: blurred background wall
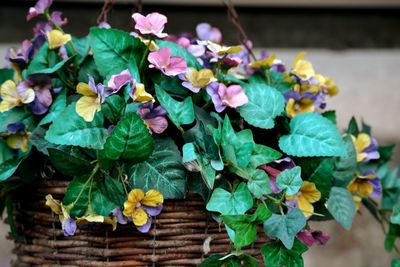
(356, 42)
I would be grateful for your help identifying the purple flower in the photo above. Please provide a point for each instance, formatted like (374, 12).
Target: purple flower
(146, 227)
(377, 187)
(153, 117)
(222, 96)
(38, 9)
(69, 227)
(310, 238)
(17, 127)
(56, 18)
(117, 213)
(275, 168)
(117, 81)
(372, 150)
(206, 32)
(41, 85)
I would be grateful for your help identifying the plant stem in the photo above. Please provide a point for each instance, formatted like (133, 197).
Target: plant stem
(94, 171)
(145, 54)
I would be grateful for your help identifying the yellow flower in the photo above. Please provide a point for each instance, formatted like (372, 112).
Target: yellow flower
(55, 205)
(361, 185)
(133, 205)
(357, 200)
(223, 50)
(153, 46)
(57, 39)
(302, 68)
(327, 84)
(199, 79)
(266, 62)
(140, 95)
(89, 103)
(361, 142)
(294, 107)
(19, 141)
(307, 195)
(13, 97)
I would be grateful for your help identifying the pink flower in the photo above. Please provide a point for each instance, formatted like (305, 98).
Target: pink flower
(153, 23)
(169, 65)
(39, 8)
(117, 81)
(232, 96)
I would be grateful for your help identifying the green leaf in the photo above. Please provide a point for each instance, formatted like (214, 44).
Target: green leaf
(163, 171)
(312, 135)
(53, 69)
(6, 74)
(130, 140)
(115, 51)
(78, 187)
(285, 227)
(322, 177)
(226, 203)
(82, 47)
(277, 80)
(263, 155)
(56, 108)
(330, 115)
(112, 189)
(101, 203)
(43, 59)
(8, 168)
(290, 180)
(113, 108)
(277, 255)
(69, 161)
(180, 113)
(88, 67)
(341, 205)
(70, 129)
(259, 184)
(345, 167)
(353, 127)
(230, 260)
(391, 236)
(11, 116)
(177, 50)
(391, 184)
(395, 263)
(265, 103)
(395, 218)
(5, 152)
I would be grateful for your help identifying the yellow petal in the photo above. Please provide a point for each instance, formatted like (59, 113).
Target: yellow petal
(302, 68)
(112, 222)
(87, 106)
(305, 206)
(141, 95)
(84, 89)
(267, 62)
(357, 200)
(362, 142)
(14, 141)
(353, 186)
(9, 95)
(6, 106)
(153, 198)
(53, 204)
(28, 97)
(139, 217)
(56, 39)
(365, 189)
(290, 108)
(310, 192)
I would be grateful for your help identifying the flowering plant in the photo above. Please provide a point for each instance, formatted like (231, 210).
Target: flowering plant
(136, 118)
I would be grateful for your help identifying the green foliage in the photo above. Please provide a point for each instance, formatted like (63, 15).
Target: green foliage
(330, 115)
(345, 167)
(112, 189)
(395, 263)
(259, 183)
(227, 203)
(78, 194)
(11, 116)
(163, 171)
(392, 235)
(56, 108)
(341, 205)
(265, 103)
(277, 80)
(70, 129)
(180, 113)
(285, 227)
(322, 177)
(230, 260)
(113, 108)
(391, 187)
(53, 69)
(395, 218)
(245, 226)
(263, 155)
(312, 135)
(115, 51)
(130, 140)
(69, 161)
(353, 127)
(6, 74)
(290, 180)
(43, 59)
(177, 50)
(276, 254)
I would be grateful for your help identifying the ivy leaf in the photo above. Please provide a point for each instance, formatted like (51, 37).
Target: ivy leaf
(290, 180)
(163, 171)
(330, 115)
(391, 192)
(341, 205)
(276, 255)
(259, 184)
(88, 68)
(130, 140)
(177, 50)
(265, 103)
(180, 113)
(395, 218)
(322, 177)
(312, 135)
(227, 203)
(8, 168)
(101, 203)
(230, 260)
(263, 155)
(346, 166)
(56, 108)
(78, 187)
(115, 51)
(353, 127)
(391, 236)
(69, 161)
(70, 129)
(285, 227)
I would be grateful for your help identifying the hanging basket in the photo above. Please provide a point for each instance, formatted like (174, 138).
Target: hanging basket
(182, 235)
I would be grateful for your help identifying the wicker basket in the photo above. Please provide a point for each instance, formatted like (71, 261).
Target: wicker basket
(182, 235)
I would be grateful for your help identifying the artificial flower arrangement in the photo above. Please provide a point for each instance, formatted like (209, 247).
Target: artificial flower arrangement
(138, 118)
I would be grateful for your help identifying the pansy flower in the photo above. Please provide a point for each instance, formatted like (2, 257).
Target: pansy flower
(263, 63)
(17, 136)
(140, 206)
(13, 96)
(94, 218)
(67, 223)
(296, 103)
(167, 64)
(90, 102)
(310, 238)
(153, 24)
(39, 8)
(117, 81)
(41, 85)
(327, 85)
(154, 118)
(57, 39)
(57, 19)
(302, 68)
(307, 195)
(139, 94)
(194, 80)
(365, 185)
(206, 32)
(221, 50)
(366, 147)
(226, 96)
